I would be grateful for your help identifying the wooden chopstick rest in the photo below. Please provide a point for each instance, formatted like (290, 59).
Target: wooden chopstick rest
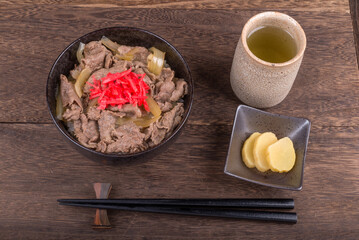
(102, 191)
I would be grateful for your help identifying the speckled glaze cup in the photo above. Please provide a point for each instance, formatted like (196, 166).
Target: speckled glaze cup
(259, 83)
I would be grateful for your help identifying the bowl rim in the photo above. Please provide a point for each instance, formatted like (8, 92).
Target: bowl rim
(113, 155)
(295, 188)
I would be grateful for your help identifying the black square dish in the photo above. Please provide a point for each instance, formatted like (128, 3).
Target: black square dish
(249, 120)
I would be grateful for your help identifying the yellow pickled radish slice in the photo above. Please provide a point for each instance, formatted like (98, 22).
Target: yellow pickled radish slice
(280, 155)
(247, 150)
(259, 150)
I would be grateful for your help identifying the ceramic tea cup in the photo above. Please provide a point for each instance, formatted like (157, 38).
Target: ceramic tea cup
(259, 83)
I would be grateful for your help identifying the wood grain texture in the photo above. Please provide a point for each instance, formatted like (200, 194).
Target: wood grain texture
(326, 205)
(102, 191)
(304, 5)
(37, 166)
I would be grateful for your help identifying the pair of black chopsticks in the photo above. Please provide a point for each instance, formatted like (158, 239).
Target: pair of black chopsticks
(200, 207)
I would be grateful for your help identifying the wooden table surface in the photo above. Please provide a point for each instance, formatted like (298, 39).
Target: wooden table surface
(37, 166)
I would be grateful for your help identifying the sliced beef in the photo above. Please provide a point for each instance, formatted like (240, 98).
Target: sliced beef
(68, 93)
(124, 63)
(165, 91)
(168, 91)
(152, 90)
(94, 55)
(166, 74)
(130, 111)
(138, 64)
(128, 139)
(108, 61)
(79, 133)
(106, 125)
(101, 147)
(157, 134)
(180, 91)
(89, 128)
(165, 107)
(120, 66)
(152, 76)
(157, 131)
(86, 131)
(141, 55)
(72, 113)
(172, 118)
(127, 129)
(93, 113)
(70, 100)
(99, 74)
(115, 60)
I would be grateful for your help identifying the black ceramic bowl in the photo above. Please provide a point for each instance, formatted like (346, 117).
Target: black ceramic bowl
(126, 36)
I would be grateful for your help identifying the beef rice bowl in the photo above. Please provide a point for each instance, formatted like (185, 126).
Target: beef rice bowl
(120, 99)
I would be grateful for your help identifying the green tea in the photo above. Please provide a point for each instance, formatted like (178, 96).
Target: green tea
(272, 44)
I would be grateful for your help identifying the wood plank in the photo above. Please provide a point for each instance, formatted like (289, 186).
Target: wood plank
(265, 5)
(45, 168)
(325, 90)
